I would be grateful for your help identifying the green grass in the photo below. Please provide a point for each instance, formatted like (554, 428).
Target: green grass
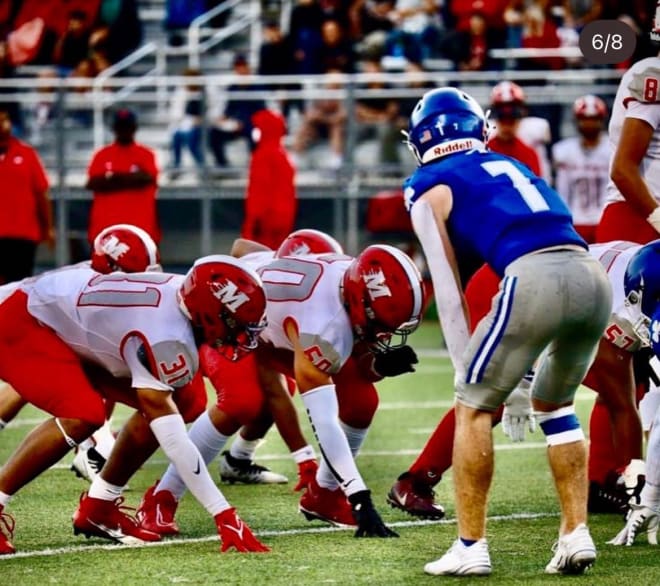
(310, 553)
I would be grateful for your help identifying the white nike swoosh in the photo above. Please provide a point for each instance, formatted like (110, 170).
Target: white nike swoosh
(117, 534)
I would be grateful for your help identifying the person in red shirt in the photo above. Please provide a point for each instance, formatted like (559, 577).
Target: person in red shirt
(26, 215)
(123, 176)
(508, 108)
(270, 202)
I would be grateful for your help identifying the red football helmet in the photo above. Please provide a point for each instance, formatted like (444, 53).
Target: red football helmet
(383, 295)
(308, 241)
(124, 247)
(589, 106)
(507, 99)
(226, 303)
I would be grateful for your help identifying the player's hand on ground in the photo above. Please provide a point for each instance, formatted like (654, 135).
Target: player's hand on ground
(368, 520)
(235, 533)
(306, 473)
(640, 520)
(518, 415)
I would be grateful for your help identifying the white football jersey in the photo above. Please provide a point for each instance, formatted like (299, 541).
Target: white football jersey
(638, 96)
(581, 177)
(615, 256)
(130, 324)
(305, 291)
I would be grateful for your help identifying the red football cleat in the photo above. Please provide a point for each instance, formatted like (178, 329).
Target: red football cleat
(415, 498)
(235, 533)
(323, 504)
(108, 519)
(156, 512)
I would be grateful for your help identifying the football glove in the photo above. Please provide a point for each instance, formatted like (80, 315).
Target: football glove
(306, 473)
(235, 533)
(518, 413)
(640, 519)
(368, 520)
(394, 361)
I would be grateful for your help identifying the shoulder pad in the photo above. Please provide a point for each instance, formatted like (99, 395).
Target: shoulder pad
(321, 353)
(170, 362)
(642, 89)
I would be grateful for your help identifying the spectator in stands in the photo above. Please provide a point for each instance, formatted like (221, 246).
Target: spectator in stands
(305, 34)
(336, 50)
(123, 178)
(325, 116)
(270, 202)
(540, 32)
(10, 105)
(26, 216)
(73, 46)
(468, 49)
(122, 21)
(186, 117)
(378, 113)
(234, 120)
(276, 58)
(370, 24)
(416, 33)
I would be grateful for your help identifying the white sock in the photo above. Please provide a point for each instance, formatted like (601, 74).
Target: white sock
(355, 437)
(323, 413)
(103, 490)
(209, 442)
(172, 436)
(84, 445)
(243, 449)
(4, 499)
(104, 439)
(651, 496)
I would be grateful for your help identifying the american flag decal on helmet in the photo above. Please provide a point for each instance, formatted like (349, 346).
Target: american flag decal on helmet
(426, 136)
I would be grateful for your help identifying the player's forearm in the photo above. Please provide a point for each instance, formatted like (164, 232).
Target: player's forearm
(634, 189)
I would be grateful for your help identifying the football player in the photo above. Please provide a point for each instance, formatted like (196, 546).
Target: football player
(316, 322)
(142, 332)
(120, 247)
(468, 203)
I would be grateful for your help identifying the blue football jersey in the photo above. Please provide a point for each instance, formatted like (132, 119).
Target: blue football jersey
(500, 211)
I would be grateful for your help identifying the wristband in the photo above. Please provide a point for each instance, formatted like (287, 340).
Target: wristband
(654, 219)
(303, 454)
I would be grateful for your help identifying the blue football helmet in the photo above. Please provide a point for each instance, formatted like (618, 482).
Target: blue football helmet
(641, 284)
(444, 121)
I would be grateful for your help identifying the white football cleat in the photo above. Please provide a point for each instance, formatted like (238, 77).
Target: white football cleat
(87, 463)
(245, 471)
(640, 519)
(462, 560)
(575, 552)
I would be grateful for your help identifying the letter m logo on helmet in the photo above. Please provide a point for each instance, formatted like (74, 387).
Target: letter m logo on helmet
(229, 295)
(376, 286)
(114, 248)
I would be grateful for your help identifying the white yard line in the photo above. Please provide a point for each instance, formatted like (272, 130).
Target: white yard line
(75, 549)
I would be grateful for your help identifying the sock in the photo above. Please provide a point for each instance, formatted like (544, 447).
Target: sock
(103, 490)
(4, 499)
(468, 542)
(651, 496)
(601, 446)
(86, 444)
(209, 442)
(104, 440)
(243, 449)
(435, 458)
(355, 437)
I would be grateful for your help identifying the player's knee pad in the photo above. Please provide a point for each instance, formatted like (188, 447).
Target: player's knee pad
(560, 426)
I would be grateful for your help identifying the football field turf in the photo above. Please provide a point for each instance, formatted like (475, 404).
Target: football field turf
(522, 528)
